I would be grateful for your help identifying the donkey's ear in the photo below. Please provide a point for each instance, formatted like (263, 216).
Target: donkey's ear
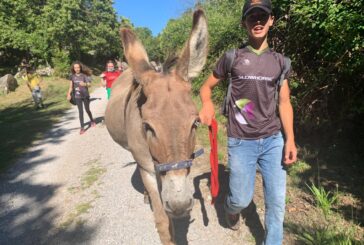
(194, 53)
(135, 53)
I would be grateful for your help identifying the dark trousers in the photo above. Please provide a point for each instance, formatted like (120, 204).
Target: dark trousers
(86, 102)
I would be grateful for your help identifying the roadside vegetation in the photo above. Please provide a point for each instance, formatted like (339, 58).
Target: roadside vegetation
(21, 124)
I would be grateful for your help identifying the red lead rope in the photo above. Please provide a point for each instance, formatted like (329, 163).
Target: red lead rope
(214, 161)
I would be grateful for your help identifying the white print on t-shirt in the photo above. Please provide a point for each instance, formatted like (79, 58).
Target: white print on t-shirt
(246, 62)
(240, 118)
(259, 78)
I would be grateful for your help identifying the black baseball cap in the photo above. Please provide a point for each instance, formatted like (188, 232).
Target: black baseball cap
(249, 5)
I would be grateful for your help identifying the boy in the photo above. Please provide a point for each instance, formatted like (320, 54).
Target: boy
(109, 76)
(254, 128)
(33, 82)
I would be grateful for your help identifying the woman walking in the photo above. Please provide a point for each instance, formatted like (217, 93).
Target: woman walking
(79, 83)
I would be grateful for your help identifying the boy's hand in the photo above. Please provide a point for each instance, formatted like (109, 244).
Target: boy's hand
(103, 83)
(118, 63)
(68, 97)
(207, 113)
(83, 84)
(290, 152)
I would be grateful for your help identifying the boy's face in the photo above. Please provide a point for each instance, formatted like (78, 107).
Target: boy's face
(77, 68)
(257, 23)
(110, 67)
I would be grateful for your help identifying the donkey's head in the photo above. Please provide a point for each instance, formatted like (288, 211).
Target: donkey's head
(169, 115)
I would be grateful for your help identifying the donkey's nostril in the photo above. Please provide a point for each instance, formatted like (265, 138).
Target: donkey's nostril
(190, 203)
(168, 207)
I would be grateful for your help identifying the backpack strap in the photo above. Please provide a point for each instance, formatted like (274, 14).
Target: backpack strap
(230, 57)
(279, 83)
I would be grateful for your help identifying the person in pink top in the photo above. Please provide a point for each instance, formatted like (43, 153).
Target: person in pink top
(109, 76)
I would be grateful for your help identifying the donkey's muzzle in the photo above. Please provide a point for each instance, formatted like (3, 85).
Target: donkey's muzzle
(178, 210)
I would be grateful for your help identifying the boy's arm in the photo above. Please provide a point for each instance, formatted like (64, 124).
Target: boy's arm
(103, 80)
(207, 112)
(286, 115)
(69, 91)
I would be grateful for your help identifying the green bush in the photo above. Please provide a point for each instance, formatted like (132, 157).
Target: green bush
(61, 63)
(325, 41)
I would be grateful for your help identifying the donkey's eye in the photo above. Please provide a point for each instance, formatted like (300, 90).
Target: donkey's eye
(162, 173)
(196, 123)
(148, 129)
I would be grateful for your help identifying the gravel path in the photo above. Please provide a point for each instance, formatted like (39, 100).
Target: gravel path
(72, 189)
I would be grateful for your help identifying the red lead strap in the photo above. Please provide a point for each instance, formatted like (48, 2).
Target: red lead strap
(214, 161)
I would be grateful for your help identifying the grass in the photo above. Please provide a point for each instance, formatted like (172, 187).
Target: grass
(328, 236)
(296, 170)
(91, 176)
(21, 124)
(83, 208)
(88, 179)
(80, 209)
(324, 199)
(73, 189)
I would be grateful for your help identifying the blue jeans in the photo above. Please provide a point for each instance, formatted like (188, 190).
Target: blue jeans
(37, 96)
(244, 156)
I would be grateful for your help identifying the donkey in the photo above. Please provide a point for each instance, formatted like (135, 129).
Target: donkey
(152, 115)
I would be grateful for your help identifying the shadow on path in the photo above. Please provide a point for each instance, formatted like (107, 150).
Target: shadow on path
(26, 215)
(136, 180)
(249, 215)
(21, 124)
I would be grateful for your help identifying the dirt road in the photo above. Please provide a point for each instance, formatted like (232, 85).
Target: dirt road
(80, 189)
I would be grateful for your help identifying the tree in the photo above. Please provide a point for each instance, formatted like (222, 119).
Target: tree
(46, 30)
(18, 25)
(328, 61)
(150, 43)
(104, 40)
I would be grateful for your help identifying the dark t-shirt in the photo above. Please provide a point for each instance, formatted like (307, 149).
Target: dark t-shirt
(80, 91)
(252, 108)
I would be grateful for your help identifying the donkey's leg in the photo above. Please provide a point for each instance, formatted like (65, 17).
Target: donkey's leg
(162, 221)
(146, 197)
(172, 230)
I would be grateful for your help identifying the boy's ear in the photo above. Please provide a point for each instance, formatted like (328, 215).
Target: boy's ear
(243, 24)
(271, 20)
